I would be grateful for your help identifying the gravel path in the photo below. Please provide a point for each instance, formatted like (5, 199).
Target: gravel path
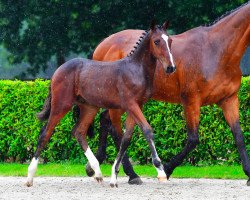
(68, 188)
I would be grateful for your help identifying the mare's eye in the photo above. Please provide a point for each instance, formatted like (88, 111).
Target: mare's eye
(157, 42)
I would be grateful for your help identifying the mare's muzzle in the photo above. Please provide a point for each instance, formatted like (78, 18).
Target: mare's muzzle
(170, 69)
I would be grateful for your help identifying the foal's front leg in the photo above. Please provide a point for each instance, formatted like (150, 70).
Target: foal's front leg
(135, 115)
(148, 133)
(130, 123)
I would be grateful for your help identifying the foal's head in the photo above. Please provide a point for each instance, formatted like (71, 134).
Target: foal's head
(160, 46)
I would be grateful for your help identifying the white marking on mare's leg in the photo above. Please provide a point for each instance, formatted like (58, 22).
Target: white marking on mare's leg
(94, 164)
(165, 37)
(31, 171)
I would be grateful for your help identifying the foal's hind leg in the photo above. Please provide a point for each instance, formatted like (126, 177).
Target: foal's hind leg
(230, 109)
(87, 115)
(105, 124)
(46, 133)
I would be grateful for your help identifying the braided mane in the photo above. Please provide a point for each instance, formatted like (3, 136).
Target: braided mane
(141, 38)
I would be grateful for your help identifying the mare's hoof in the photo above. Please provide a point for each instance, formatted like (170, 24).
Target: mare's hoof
(135, 181)
(99, 179)
(89, 171)
(168, 170)
(113, 185)
(248, 182)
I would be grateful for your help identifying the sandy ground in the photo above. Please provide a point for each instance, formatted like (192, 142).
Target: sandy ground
(68, 188)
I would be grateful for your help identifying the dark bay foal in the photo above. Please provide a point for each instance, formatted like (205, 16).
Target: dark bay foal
(125, 84)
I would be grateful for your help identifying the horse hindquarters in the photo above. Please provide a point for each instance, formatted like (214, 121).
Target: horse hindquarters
(62, 99)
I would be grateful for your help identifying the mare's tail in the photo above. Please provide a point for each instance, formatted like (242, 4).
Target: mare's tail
(44, 114)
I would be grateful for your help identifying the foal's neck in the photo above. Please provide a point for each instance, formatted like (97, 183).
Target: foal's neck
(144, 59)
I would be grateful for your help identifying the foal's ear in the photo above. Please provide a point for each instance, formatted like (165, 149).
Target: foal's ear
(153, 24)
(165, 25)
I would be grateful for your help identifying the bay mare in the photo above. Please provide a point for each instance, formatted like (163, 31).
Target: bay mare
(208, 72)
(126, 84)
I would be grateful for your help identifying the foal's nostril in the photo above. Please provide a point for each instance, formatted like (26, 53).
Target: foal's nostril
(170, 69)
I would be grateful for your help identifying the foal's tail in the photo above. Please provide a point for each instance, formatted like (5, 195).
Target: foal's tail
(44, 114)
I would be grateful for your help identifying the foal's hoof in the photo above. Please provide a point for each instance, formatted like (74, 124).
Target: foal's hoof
(248, 182)
(135, 181)
(89, 171)
(113, 185)
(162, 179)
(99, 179)
(168, 170)
(29, 183)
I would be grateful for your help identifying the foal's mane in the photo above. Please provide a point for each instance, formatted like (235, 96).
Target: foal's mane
(226, 14)
(141, 39)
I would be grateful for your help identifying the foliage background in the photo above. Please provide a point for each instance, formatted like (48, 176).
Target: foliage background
(38, 32)
(19, 129)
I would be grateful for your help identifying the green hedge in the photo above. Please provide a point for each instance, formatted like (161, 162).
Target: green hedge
(19, 129)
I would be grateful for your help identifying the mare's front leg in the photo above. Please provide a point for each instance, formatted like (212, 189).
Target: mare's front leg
(192, 116)
(230, 107)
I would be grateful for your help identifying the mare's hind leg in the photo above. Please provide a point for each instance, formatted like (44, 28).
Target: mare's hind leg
(192, 115)
(230, 107)
(87, 115)
(46, 133)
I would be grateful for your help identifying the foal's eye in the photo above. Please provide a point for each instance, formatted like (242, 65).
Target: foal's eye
(157, 42)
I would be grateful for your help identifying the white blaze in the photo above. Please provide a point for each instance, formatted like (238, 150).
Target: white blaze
(165, 37)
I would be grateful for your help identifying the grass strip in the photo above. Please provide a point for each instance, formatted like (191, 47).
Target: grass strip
(73, 170)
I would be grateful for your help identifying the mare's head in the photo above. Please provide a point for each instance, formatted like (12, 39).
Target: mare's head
(160, 46)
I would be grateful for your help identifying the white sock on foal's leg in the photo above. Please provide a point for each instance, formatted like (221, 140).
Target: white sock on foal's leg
(31, 171)
(113, 180)
(94, 164)
(162, 177)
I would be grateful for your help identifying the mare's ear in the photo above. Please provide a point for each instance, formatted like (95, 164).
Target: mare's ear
(165, 25)
(153, 24)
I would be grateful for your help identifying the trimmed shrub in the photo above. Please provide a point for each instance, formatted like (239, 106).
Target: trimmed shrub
(19, 129)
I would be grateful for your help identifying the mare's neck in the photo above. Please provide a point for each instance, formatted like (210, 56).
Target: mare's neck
(233, 32)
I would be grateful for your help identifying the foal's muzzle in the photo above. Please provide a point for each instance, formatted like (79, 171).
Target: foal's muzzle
(170, 69)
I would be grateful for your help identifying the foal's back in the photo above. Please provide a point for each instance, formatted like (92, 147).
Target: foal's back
(99, 83)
